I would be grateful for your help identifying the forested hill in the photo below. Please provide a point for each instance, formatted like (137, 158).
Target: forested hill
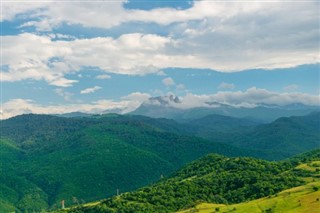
(215, 179)
(282, 138)
(46, 159)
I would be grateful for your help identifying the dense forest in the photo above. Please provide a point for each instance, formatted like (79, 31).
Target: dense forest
(214, 179)
(46, 159)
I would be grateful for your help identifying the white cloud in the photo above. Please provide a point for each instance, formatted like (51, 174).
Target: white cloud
(249, 98)
(226, 36)
(291, 87)
(90, 90)
(23, 106)
(137, 96)
(127, 103)
(168, 82)
(113, 13)
(226, 86)
(36, 57)
(104, 76)
(28, 57)
(134, 100)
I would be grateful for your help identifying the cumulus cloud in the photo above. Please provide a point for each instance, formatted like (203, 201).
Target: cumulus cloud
(127, 103)
(226, 86)
(249, 98)
(224, 36)
(113, 12)
(35, 57)
(23, 106)
(30, 56)
(168, 82)
(137, 96)
(90, 90)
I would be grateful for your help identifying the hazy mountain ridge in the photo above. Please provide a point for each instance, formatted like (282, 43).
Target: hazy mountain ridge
(286, 135)
(171, 107)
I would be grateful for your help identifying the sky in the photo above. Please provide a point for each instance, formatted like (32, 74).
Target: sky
(92, 56)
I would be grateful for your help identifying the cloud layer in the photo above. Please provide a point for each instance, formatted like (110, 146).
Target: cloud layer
(224, 36)
(250, 98)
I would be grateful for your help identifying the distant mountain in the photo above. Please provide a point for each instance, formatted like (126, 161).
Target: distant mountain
(293, 135)
(171, 107)
(282, 138)
(216, 123)
(215, 179)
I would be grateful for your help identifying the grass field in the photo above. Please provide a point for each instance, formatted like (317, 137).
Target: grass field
(302, 199)
(313, 166)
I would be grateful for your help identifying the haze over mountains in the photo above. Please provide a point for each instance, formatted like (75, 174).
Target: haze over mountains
(172, 107)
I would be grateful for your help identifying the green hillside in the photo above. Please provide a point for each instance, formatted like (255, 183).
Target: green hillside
(293, 134)
(48, 159)
(283, 138)
(215, 179)
(301, 199)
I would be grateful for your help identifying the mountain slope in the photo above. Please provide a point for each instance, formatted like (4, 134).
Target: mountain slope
(214, 179)
(282, 138)
(292, 135)
(302, 199)
(83, 159)
(88, 158)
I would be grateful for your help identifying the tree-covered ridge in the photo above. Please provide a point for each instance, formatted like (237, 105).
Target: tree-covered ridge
(83, 159)
(282, 138)
(47, 159)
(301, 199)
(214, 179)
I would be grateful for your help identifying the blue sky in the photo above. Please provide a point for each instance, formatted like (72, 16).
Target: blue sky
(94, 56)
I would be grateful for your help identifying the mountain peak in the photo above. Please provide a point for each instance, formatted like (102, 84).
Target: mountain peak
(163, 100)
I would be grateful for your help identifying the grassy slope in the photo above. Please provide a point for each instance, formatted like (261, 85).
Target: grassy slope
(301, 199)
(194, 183)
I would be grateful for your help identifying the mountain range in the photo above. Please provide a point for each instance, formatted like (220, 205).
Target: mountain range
(46, 159)
(172, 107)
